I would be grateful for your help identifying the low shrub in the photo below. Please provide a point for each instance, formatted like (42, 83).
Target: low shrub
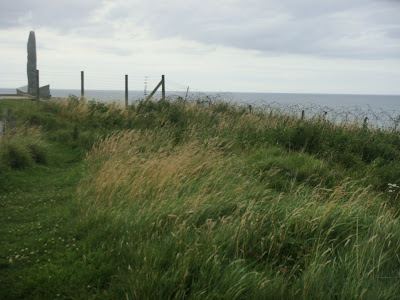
(22, 148)
(45, 119)
(15, 155)
(64, 135)
(87, 139)
(38, 151)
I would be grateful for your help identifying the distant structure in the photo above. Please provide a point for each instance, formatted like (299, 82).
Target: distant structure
(31, 67)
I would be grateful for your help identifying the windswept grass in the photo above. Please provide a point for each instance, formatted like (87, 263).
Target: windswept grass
(191, 221)
(21, 148)
(210, 201)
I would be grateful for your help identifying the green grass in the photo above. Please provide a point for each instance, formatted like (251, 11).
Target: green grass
(12, 104)
(167, 200)
(38, 221)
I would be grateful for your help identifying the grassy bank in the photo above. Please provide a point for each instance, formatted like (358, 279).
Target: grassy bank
(175, 200)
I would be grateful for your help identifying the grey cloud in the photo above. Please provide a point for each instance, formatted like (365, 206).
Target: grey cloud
(62, 14)
(326, 28)
(340, 28)
(394, 33)
(117, 51)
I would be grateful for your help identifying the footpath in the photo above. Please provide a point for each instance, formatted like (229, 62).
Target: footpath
(40, 242)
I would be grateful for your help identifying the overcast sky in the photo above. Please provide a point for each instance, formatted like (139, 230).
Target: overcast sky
(305, 46)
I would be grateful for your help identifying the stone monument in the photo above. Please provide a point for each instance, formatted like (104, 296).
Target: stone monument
(31, 67)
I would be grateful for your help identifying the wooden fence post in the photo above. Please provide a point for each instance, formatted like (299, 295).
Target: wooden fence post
(187, 91)
(154, 91)
(82, 85)
(126, 91)
(37, 86)
(10, 119)
(2, 124)
(324, 115)
(365, 121)
(162, 84)
(250, 108)
(163, 88)
(302, 114)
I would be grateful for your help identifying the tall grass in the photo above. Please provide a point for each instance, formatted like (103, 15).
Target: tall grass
(191, 221)
(20, 148)
(369, 154)
(210, 201)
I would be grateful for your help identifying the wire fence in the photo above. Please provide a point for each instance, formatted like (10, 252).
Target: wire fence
(362, 116)
(104, 87)
(356, 115)
(368, 113)
(61, 81)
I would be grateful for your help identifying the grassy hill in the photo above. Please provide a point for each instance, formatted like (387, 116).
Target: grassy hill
(186, 200)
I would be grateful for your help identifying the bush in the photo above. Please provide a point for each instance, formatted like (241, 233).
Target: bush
(87, 139)
(38, 151)
(16, 155)
(22, 149)
(104, 115)
(45, 119)
(63, 136)
(385, 174)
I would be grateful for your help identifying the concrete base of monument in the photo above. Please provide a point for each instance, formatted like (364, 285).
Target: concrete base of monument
(44, 91)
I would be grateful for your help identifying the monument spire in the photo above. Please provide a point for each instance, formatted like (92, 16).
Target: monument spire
(31, 67)
(32, 64)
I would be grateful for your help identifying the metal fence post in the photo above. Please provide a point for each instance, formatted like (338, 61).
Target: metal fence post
(163, 87)
(82, 85)
(37, 86)
(126, 91)
(187, 91)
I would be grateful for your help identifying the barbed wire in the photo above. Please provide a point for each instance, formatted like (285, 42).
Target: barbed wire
(106, 88)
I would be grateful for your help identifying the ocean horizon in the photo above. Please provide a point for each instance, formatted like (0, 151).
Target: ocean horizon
(380, 110)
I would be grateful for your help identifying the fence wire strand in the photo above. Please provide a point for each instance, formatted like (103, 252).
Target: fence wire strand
(106, 88)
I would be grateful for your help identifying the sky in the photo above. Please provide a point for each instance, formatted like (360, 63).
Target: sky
(285, 46)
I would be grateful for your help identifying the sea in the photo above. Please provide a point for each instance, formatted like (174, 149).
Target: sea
(375, 110)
